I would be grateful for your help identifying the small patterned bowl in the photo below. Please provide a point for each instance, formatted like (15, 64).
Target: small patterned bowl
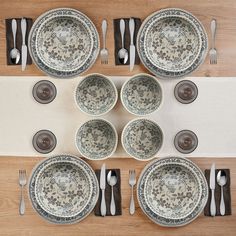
(141, 94)
(97, 139)
(96, 95)
(142, 139)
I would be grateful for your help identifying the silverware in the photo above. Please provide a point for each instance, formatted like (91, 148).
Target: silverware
(14, 53)
(221, 180)
(104, 51)
(213, 52)
(212, 187)
(22, 183)
(123, 53)
(23, 47)
(112, 180)
(131, 47)
(103, 187)
(132, 182)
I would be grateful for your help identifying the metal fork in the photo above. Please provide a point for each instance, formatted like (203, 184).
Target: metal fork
(213, 52)
(22, 183)
(104, 51)
(132, 182)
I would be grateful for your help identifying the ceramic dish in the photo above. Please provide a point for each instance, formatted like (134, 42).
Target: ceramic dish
(172, 191)
(96, 139)
(63, 42)
(63, 189)
(96, 94)
(141, 94)
(142, 139)
(172, 43)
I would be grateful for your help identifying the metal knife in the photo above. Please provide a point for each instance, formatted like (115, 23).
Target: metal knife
(103, 187)
(212, 187)
(131, 47)
(23, 47)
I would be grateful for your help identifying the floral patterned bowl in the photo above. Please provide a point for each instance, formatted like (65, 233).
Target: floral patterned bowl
(63, 42)
(63, 189)
(172, 43)
(172, 191)
(142, 139)
(97, 139)
(96, 95)
(141, 94)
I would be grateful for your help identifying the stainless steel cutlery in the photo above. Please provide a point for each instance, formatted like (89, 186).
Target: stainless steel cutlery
(104, 50)
(14, 53)
(132, 182)
(112, 180)
(212, 187)
(132, 47)
(221, 180)
(22, 183)
(23, 47)
(123, 53)
(213, 52)
(103, 187)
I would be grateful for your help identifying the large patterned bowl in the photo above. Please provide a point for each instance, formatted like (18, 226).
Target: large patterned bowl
(97, 139)
(141, 94)
(172, 191)
(63, 189)
(142, 139)
(96, 95)
(172, 43)
(63, 42)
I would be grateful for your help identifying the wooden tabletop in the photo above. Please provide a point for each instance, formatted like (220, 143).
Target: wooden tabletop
(31, 224)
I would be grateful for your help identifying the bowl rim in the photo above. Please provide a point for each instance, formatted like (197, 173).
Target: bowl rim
(154, 78)
(116, 139)
(103, 77)
(123, 135)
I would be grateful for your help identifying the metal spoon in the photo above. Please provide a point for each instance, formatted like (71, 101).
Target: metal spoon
(112, 180)
(221, 180)
(123, 53)
(14, 53)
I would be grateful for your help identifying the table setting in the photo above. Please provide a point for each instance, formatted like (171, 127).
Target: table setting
(150, 143)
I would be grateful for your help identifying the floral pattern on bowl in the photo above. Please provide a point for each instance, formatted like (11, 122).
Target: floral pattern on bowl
(172, 43)
(141, 94)
(142, 139)
(63, 42)
(172, 191)
(97, 139)
(96, 94)
(89, 183)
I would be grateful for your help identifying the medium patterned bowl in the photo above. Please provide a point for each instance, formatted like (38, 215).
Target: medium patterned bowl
(97, 139)
(172, 43)
(142, 139)
(141, 94)
(172, 191)
(63, 42)
(96, 95)
(63, 189)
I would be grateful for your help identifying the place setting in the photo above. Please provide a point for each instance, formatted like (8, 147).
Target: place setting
(111, 115)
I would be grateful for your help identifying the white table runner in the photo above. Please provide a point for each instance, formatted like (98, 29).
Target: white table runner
(212, 116)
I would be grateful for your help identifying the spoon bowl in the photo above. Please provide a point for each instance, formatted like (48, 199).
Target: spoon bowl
(123, 55)
(15, 55)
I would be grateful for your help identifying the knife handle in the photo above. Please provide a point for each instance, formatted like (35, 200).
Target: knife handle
(23, 30)
(131, 30)
(103, 204)
(213, 203)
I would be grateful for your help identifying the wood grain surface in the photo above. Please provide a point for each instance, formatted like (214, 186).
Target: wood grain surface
(31, 224)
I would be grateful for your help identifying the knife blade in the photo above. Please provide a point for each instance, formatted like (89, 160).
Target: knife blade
(103, 187)
(23, 47)
(212, 187)
(131, 47)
